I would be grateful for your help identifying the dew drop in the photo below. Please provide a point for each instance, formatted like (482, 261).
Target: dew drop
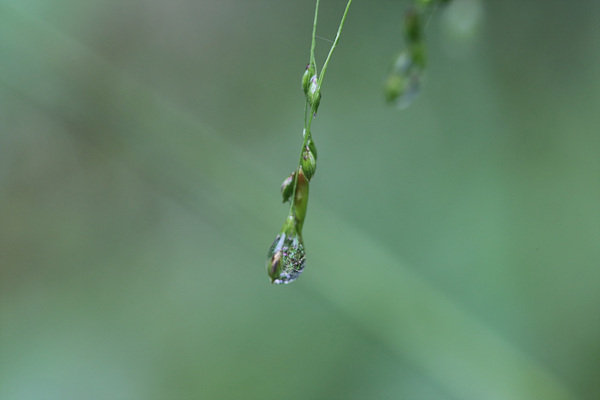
(286, 258)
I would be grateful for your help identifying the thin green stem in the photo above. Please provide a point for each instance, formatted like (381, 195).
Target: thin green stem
(310, 109)
(305, 113)
(306, 135)
(314, 35)
(335, 42)
(322, 75)
(312, 61)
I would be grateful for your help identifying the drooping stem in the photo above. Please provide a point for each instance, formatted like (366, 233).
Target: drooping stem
(286, 256)
(310, 107)
(314, 36)
(312, 61)
(335, 42)
(333, 46)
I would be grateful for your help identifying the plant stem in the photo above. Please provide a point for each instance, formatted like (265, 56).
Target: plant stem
(310, 110)
(333, 46)
(335, 42)
(314, 35)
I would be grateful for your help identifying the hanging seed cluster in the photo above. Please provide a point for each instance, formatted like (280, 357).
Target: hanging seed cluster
(286, 257)
(408, 70)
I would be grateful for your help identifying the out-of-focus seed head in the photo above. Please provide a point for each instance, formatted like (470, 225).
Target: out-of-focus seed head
(412, 26)
(404, 82)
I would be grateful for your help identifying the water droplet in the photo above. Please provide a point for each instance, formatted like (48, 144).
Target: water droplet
(286, 257)
(404, 83)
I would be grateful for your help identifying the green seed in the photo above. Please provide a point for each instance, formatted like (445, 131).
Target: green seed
(287, 187)
(309, 163)
(306, 78)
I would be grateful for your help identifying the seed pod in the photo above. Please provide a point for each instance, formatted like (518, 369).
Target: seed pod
(314, 94)
(309, 162)
(412, 26)
(312, 147)
(287, 187)
(306, 78)
(315, 101)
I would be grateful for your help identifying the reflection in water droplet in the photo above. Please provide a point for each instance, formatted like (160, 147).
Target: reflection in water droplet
(404, 83)
(286, 258)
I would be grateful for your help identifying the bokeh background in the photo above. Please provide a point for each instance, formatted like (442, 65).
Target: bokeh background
(453, 248)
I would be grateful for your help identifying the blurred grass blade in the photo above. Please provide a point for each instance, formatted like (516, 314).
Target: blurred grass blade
(378, 292)
(419, 323)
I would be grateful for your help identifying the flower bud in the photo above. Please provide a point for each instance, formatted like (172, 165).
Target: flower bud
(315, 101)
(306, 78)
(312, 147)
(287, 187)
(308, 162)
(412, 26)
(314, 94)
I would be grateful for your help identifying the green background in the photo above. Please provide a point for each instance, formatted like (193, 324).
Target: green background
(453, 248)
